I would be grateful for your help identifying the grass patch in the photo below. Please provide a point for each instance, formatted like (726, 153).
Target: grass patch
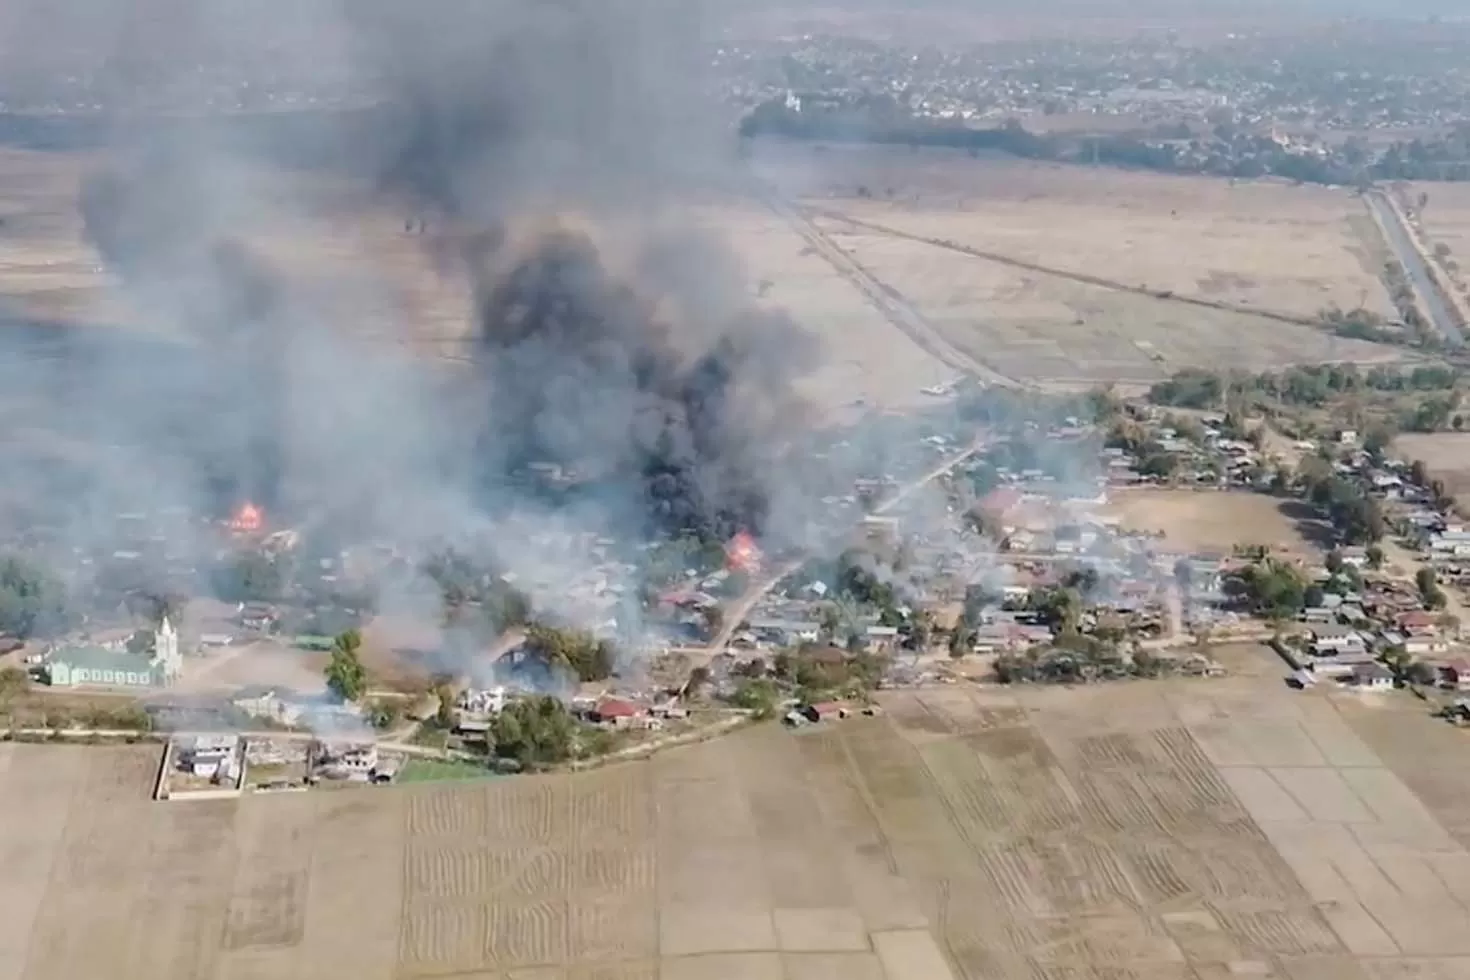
(436, 770)
(430, 737)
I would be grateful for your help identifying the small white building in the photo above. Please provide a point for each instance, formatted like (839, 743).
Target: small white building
(209, 756)
(1372, 677)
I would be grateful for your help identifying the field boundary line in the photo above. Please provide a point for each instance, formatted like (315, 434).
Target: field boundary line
(860, 783)
(1162, 295)
(888, 301)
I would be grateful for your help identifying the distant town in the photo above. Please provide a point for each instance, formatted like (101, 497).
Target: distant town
(1364, 101)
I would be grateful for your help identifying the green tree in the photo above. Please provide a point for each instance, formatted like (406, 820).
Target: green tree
(1062, 609)
(346, 676)
(1374, 556)
(1272, 588)
(759, 696)
(577, 651)
(32, 601)
(535, 731)
(444, 712)
(1430, 593)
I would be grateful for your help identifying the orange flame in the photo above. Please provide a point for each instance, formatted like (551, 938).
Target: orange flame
(742, 554)
(247, 519)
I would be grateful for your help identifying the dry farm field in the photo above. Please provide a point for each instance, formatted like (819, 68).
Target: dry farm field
(1445, 454)
(1263, 246)
(1206, 520)
(1147, 831)
(1445, 217)
(344, 250)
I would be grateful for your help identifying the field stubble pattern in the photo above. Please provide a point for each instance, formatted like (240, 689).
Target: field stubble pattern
(999, 839)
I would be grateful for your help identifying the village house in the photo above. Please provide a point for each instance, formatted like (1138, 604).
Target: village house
(482, 703)
(347, 760)
(623, 715)
(1417, 622)
(1329, 640)
(881, 638)
(210, 757)
(1372, 677)
(258, 616)
(267, 704)
(1454, 675)
(786, 632)
(1449, 544)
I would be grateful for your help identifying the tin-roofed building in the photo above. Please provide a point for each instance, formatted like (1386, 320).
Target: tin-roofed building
(78, 666)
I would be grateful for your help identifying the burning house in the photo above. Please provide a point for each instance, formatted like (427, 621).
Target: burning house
(247, 520)
(742, 554)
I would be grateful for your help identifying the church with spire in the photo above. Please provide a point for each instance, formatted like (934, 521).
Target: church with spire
(98, 666)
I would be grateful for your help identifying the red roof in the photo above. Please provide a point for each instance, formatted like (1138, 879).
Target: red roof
(1417, 618)
(614, 708)
(829, 708)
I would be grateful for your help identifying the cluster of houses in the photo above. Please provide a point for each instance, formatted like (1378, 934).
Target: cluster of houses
(1209, 458)
(1349, 639)
(476, 707)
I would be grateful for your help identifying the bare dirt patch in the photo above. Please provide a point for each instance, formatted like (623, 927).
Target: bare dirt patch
(1445, 454)
(1215, 521)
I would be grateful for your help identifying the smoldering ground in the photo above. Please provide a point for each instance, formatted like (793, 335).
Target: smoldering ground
(549, 149)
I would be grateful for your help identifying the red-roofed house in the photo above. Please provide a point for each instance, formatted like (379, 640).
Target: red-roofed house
(1455, 674)
(615, 712)
(1418, 622)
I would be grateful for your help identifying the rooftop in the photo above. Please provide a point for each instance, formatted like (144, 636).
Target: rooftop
(99, 658)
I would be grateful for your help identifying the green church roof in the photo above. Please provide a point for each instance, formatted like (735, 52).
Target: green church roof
(97, 658)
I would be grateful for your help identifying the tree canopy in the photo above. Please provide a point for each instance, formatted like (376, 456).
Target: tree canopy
(345, 673)
(574, 650)
(1272, 588)
(534, 731)
(32, 601)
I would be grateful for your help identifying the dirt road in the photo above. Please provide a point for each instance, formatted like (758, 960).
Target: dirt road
(736, 612)
(886, 300)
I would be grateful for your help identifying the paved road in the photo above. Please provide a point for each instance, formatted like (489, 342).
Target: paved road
(1400, 240)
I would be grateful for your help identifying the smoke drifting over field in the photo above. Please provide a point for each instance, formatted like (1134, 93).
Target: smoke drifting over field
(549, 149)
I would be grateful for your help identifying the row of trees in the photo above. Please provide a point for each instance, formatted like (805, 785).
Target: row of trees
(1401, 291)
(1087, 659)
(1312, 385)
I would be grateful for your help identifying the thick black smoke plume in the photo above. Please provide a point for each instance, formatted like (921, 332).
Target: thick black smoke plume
(689, 420)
